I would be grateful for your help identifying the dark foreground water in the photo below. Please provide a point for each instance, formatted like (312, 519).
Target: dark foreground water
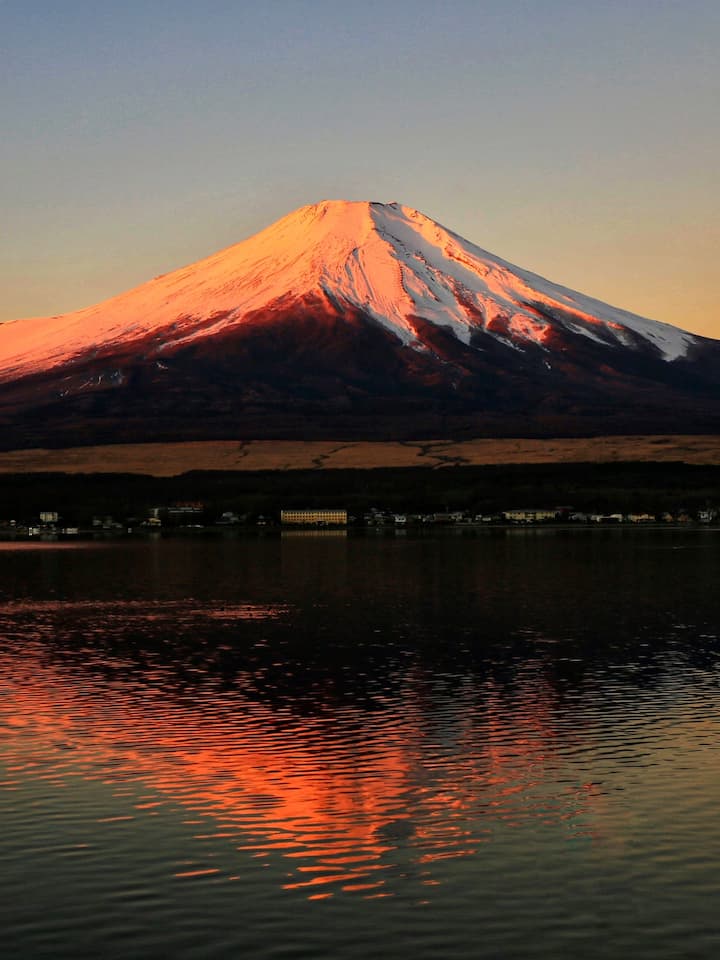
(503, 745)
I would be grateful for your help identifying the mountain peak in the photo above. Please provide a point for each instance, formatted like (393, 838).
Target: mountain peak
(391, 262)
(350, 318)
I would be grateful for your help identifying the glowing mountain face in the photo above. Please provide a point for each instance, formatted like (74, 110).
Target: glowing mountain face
(388, 261)
(358, 320)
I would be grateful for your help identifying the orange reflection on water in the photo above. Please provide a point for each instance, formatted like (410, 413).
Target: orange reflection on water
(344, 799)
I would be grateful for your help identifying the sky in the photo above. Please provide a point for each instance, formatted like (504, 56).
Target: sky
(579, 140)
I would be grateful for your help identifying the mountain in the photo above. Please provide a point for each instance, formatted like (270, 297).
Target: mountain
(350, 319)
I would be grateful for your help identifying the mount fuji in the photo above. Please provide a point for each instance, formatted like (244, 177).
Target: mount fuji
(349, 320)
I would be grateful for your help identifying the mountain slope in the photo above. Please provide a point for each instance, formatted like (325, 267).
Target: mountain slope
(351, 319)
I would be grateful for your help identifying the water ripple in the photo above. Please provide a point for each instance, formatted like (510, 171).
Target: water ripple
(190, 755)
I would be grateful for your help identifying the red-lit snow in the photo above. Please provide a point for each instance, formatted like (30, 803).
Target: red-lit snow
(390, 261)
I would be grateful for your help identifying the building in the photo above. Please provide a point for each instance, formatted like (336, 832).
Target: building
(606, 518)
(314, 518)
(229, 519)
(185, 509)
(529, 515)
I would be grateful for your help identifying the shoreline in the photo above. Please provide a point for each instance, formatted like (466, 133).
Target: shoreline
(275, 531)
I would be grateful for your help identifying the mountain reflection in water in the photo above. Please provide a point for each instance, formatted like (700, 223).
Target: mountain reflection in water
(396, 720)
(430, 769)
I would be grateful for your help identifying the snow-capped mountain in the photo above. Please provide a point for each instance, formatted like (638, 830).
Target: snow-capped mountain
(347, 318)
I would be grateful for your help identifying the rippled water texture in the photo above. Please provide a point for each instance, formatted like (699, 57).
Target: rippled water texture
(495, 745)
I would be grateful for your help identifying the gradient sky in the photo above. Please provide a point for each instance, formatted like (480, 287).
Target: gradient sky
(577, 139)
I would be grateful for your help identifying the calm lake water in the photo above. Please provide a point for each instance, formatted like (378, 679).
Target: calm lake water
(501, 745)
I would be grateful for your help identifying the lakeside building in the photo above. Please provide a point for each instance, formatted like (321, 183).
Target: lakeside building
(314, 518)
(529, 515)
(185, 508)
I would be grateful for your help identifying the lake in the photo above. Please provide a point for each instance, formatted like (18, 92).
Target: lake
(497, 743)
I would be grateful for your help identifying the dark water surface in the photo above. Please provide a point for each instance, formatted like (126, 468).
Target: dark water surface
(499, 745)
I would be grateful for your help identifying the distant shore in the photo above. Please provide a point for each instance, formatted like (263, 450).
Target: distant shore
(80, 489)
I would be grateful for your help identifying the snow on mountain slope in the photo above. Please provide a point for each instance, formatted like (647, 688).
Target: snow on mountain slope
(388, 261)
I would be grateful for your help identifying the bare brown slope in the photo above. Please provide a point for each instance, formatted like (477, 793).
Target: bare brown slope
(172, 459)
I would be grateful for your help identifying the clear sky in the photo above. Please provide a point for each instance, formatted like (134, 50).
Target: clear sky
(577, 138)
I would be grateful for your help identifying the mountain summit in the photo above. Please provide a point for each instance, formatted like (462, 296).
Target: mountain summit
(351, 319)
